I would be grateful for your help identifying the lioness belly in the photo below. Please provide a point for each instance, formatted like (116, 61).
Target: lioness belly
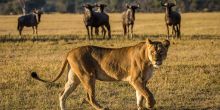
(104, 75)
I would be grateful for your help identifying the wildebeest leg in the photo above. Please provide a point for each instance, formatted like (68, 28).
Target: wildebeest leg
(33, 29)
(36, 30)
(96, 31)
(87, 28)
(128, 33)
(167, 31)
(70, 86)
(145, 92)
(174, 30)
(109, 30)
(177, 31)
(178, 34)
(103, 32)
(125, 29)
(20, 30)
(132, 31)
(91, 32)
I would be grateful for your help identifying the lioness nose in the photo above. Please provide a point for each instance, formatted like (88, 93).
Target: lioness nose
(158, 63)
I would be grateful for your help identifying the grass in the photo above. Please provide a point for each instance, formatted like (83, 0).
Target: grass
(189, 78)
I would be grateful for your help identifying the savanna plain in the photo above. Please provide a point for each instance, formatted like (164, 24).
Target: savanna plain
(188, 79)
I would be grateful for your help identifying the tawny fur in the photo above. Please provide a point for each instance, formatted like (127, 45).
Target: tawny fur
(133, 64)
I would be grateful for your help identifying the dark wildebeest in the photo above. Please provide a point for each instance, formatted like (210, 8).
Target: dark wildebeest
(172, 18)
(95, 19)
(100, 9)
(128, 18)
(29, 20)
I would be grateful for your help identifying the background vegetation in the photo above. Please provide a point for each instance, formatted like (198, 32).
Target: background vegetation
(188, 79)
(74, 6)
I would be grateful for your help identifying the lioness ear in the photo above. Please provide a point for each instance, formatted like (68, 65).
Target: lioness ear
(148, 41)
(166, 43)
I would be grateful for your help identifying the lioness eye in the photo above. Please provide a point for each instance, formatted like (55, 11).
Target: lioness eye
(161, 52)
(153, 52)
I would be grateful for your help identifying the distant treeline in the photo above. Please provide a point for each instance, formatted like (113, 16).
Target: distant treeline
(74, 6)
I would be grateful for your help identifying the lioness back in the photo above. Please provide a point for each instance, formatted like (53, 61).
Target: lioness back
(105, 63)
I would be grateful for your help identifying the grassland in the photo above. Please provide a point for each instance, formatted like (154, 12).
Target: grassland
(189, 78)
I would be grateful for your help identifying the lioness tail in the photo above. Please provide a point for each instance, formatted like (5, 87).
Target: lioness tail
(35, 76)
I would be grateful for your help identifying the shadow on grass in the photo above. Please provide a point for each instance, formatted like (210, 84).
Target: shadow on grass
(185, 108)
(40, 38)
(46, 38)
(203, 37)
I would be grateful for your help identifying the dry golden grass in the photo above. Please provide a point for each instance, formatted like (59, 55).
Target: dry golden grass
(189, 78)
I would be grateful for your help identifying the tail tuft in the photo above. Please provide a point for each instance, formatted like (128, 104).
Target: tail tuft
(34, 75)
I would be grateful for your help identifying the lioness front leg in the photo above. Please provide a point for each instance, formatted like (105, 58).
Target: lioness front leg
(144, 91)
(140, 100)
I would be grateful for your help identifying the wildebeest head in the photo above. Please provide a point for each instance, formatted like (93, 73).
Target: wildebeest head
(88, 6)
(38, 13)
(131, 12)
(132, 7)
(100, 6)
(88, 13)
(167, 4)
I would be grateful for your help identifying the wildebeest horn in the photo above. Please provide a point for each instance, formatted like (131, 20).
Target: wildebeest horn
(162, 3)
(128, 6)
(104, 5)
(96, 5)
(87, 5)
(34, 10)
(174, 2)
(83, 5)
(138, 5)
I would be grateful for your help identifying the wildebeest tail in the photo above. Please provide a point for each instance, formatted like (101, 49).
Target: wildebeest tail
(18, 25)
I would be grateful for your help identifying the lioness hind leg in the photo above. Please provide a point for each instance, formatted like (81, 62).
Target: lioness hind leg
(89, 86)
(70, 86)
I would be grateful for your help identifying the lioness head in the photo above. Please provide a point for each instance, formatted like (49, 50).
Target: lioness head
(157, 51)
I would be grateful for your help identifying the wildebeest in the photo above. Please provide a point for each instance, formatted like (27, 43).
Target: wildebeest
(128, 18)
(29, 20)
(172, 18)
(100, 9)
(95, 19)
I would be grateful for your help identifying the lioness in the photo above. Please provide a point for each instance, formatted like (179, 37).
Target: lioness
(133, 64)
